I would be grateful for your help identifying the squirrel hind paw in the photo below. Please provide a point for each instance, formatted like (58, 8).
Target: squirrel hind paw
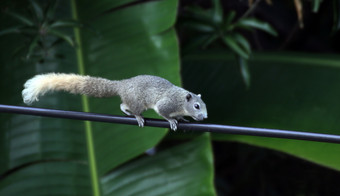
(140, 120)
(173, 124)
(124, 108)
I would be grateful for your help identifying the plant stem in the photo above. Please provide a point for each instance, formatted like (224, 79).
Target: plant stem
(85, 104)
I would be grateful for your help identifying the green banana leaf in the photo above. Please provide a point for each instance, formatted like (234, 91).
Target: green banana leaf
(48, 178)
(291, 91)
(186, 169)
(69, 157)
(169, 176)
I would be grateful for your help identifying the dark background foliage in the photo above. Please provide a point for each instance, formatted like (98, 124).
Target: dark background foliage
(243, 169)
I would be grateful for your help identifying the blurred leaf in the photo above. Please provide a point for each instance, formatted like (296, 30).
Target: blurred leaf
(243, 42)
(290, 91)
(36, 27)
(32, 46)
(200, 41)
(217, 12)
(21, 18)
(202, 27)
(62, 35)
(199, 14)
(244, 68)
(316, 5)
(37, 10)
(230, 41)
(51, 9)
(255, 23)
(211, 39)
(228, 20)
(65, 23)
(59, 178)
(15, 29)
(57, 42)
(183, 170)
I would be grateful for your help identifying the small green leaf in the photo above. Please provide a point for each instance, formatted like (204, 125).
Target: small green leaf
(316, 5)
(233, 45)
(50, 11)
(21, 18)
(56, 42)
(217, 16)
(244, 68)
(65, 23)
(15, 29)
(255, 23)
(198, 14)
(37, 10)
(62, 35)
(243, 42)
(198, 26)
(32, 46)
(228, 20)
(211, 39)
(195, 42)
(201, 41)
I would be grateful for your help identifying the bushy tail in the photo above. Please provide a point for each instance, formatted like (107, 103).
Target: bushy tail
(76, 84)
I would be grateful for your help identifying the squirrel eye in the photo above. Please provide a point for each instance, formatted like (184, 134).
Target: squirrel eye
(196, 106)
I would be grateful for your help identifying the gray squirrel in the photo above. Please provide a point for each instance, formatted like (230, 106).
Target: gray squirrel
(138, 94)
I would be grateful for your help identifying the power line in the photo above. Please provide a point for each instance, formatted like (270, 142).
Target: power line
(213, 128)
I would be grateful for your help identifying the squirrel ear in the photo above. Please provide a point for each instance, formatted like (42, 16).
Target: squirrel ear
(199, 95)
(188, 97)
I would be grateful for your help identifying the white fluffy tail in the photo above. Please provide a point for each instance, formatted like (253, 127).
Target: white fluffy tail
(41, 84)
(72, 83)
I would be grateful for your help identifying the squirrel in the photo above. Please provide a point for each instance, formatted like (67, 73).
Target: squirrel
(137, 94)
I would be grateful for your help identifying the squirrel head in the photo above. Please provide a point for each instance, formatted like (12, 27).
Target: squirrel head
(195, 107)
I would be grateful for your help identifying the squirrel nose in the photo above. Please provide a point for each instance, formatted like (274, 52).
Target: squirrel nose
(201, 116)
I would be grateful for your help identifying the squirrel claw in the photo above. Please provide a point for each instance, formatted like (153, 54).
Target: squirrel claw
(140, 121)
(173, 124)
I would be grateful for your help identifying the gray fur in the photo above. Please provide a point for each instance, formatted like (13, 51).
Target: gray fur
(99, 87)
(143, 92)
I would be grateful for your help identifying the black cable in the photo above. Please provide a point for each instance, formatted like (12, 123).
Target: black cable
(225, 129)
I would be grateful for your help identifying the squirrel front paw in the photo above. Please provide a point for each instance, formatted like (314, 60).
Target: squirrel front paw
(173, 124)
(140, 120)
